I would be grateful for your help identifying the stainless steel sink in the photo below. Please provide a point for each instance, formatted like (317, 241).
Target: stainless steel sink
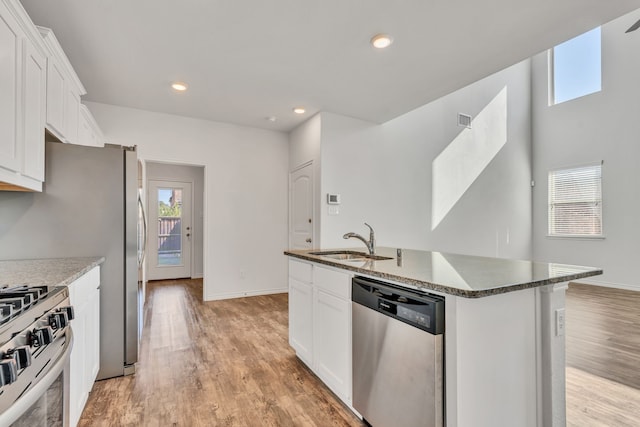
(349, 255)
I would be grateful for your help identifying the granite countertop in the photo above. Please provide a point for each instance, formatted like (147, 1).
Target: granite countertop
(45, 272)
(454, 274)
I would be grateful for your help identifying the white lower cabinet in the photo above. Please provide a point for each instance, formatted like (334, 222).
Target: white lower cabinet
(301, 319)
(332, 342)
(320, 323)
(84, 361)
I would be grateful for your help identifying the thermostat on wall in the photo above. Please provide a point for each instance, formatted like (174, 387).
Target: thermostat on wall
(333, 199)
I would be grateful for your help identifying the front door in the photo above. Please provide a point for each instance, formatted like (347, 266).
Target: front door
(169, 230)
(301, 206)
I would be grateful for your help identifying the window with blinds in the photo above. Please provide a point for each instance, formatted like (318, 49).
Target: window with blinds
(575, 201)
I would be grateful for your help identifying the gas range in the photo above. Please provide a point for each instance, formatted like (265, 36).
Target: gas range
(34, 336)
(15, 300)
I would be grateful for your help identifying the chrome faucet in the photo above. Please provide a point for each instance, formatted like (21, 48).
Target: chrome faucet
(371, 244)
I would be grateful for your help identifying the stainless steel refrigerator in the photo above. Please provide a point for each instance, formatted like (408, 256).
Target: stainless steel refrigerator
(88, 207)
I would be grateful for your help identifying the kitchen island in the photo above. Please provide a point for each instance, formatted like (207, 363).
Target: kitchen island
(504, 333)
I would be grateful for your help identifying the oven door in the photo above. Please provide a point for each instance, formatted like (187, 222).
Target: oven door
(44, 402)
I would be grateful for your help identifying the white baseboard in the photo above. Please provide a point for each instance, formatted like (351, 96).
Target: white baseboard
(198, 276)
(608, 284)
(229, 295)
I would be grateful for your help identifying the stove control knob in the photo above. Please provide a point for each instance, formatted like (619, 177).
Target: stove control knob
(69, 311)
(8, 371)
(22, 356)
(41, 336)
(58, 320)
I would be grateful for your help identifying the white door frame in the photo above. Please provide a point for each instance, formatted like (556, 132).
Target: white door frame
(169, 183)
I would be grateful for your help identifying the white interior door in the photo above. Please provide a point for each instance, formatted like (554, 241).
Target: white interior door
(301, 208)
(169, 250)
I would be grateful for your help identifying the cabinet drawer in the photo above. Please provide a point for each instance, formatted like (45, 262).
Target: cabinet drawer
(336, 282)
(300, 271)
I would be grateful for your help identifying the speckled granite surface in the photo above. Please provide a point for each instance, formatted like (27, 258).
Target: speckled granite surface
(460, 275)
(49, 272)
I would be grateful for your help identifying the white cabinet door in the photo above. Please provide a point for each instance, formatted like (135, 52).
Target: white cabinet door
(56, 92)
(77, 362)
(63, 91)
(84, 294)
(34, 74)
(89, 132)
(10, 47)
(22, 73)
(301, 319)
(72, 116)
(94, 339)
(332, 342)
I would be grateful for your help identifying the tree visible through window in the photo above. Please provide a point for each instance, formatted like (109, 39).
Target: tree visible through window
(575, 201)
(577, 67)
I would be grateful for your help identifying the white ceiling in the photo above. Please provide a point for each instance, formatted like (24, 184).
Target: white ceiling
(248, 60)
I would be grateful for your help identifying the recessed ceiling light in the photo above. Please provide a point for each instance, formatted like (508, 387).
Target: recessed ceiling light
(299, 110)
(271, 118)
(179, 86)
(380, 41)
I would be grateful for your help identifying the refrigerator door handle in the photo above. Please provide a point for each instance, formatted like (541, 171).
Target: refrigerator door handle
(144, 232)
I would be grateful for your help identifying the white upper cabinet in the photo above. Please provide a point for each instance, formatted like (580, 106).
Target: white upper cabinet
(34, 74)
(89, 133)
(10, 37)
(64, 90)
(38, 89)
(22, 104)
(55, 98)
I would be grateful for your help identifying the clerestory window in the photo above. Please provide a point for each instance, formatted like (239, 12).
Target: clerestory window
(576, 67)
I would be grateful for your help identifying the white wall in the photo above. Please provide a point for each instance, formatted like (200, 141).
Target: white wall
(304, 147)
(194, 175)
(384, 173)
(246, 172)
(601, 126)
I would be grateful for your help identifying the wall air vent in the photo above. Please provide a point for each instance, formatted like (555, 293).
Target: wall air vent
(464, 120)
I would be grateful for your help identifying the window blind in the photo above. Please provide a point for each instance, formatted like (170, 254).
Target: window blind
(575, 201)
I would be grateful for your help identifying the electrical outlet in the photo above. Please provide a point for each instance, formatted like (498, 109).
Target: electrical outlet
(560, 322)
(242, 274)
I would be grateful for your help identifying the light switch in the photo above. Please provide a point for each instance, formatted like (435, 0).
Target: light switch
(333, 210)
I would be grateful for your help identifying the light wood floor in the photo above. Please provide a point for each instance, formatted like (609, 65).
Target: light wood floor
(603, 357)
(220, 363)
(228, 363)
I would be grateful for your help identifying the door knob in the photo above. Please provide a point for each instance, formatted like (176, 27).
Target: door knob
(308, 240)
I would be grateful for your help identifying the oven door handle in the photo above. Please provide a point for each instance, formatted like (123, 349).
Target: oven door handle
(32, 395)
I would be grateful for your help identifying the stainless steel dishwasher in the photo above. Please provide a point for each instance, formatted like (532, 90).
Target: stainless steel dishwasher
(397, 355)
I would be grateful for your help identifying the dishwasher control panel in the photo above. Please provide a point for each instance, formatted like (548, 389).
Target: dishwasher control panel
(414, 316)
(421, 310)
